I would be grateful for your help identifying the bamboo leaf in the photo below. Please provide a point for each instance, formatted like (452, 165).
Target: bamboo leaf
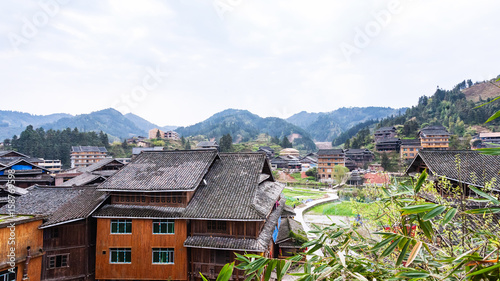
(485, 195)
(484, 270)
(434, 212)
(492, 210)
(226, 272)
(416, 209)
(413, 274)
(270, 266)
(421, 181)
(493, 117)
(413, 253)
(426, 228)
(391, 247)
(449, 215)
(403, 252)
(382, 243)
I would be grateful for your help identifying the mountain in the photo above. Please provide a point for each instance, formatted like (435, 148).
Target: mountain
(482, 91)
(243, 125)
(108, 120)
(14, 122)
(326, 126)
(145, 124)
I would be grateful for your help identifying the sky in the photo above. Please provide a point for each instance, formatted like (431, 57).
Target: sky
(178, 62)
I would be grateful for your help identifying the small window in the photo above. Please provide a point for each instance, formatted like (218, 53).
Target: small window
(121, 226)
(120, 255)
(8, 276)
(163, 226)
(163, 255)
(58, 261)
(143, 199)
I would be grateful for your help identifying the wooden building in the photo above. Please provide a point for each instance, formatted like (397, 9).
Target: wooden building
(26, 174)
(388, 145)
(434, 138)
(207, 145)
(360, 156)
(84, 156)
(409, 148)
(174, 214)
(461, 167)
(67, 229)
(385, 132)
(22, 250)
(327, 159)
(91, 175)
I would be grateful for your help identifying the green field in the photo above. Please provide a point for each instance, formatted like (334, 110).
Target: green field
(297, 195)
(347, 208)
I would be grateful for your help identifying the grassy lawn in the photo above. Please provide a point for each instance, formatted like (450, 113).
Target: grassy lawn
(296, 195)
(347, 208)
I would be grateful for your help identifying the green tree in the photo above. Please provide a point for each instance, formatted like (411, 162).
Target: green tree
(339, 173)
(313, 172)
(385, 162)
(158, 134)
(226, 143)
(285, 143)
(347, 144)
(188, 145)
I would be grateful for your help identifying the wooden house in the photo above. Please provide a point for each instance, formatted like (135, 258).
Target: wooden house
(434, 138)
(22, 249)
(26, 174)
(327, 159)
(67, 230)
(385, 132)
(84, 156)
(388, 144)
(174, 214)
(361, 157)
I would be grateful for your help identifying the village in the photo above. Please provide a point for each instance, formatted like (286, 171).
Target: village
(177, 213)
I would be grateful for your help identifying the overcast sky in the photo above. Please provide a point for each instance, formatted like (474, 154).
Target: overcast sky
(178, 62)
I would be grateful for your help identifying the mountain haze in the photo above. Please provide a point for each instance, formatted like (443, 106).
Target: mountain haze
(14, 122)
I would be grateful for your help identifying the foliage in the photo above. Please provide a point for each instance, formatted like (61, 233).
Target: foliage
(285, 143)
(339, 173)
(53, 144)
(313, 172)
(362, 139)
(422, 240)
(226, 143)
(346, 135)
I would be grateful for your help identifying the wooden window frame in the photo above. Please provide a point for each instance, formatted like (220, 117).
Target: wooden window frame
(52, 261)
(118, 251)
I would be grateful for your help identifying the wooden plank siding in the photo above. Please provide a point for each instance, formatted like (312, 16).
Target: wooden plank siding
(235, 229)
(26, 234)
(77, 241)
(141, 242)
(209, 262)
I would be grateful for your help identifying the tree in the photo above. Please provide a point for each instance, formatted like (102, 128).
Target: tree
(226, 143)
(158, 134)
(347, 144)
(124, 144)
(275, 140)
(285, 143)
(187, 146)
(338, 173)
(6, 142)
(313, 172)
(183, 141)
(385, 162)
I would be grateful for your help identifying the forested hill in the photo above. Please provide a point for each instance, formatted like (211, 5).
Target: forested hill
(326, 126)
(453, 109)
(14, 122)
(244, 126)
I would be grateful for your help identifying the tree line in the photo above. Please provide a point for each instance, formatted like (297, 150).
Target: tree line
(54, 144)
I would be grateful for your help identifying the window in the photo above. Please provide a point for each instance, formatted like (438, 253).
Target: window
(7, 275)
(121, 226)
(120, 255)
(163, 226)
(163, 255)
(58, 261)
(216, 226)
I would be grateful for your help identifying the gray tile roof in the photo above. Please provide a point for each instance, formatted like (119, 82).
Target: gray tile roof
(100, 164)
(88, 149)
(233, 190)
(474, 169)
(58, 204)
(290, 225)
(252, 245)
(207, 144)
(135, 211)
(434, 130)
(162, 171)
(323, 152)
(83, 179)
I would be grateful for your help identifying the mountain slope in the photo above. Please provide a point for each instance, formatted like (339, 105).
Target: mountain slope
(145, 124)
(328, 125)
(108, 120)
(243, 125)
(14, 122)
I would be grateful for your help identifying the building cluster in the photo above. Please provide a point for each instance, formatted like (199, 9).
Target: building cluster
(352, 159)
(167, 215)
(159, 134)
(485, 140)
(429, 138)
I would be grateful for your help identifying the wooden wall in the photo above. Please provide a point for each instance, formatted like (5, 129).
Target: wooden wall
(210, 262)
(141, 241)
(236, 229)
(27, 234)
(76, 239)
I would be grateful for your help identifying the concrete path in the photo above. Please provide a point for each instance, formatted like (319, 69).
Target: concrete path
(332, 196)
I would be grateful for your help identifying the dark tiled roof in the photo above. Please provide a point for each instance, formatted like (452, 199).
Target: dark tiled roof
(100, 164)
(84, 179)
(162, 170)
(384, 140)
(252, 245)
(386, 129)
(58, 204)
(207, 143)
(19, 154)
(322, 152)
(288, 212)
(88, 149)
(233, 190)
(414, 142)
(474, 168)
(434, 130)
(25, 162)
(134, 211)
(290, 225)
